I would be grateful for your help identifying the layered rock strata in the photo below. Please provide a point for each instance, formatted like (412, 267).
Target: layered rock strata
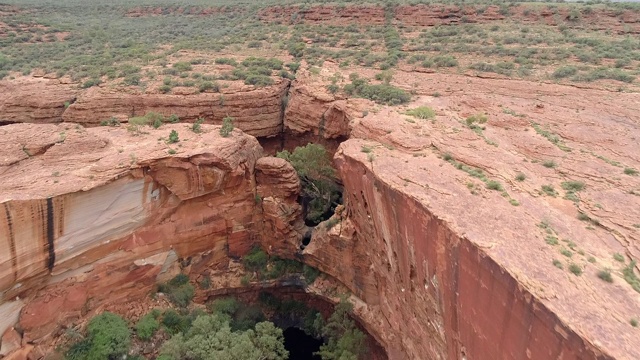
(94, 215)
(489, 242)
(256, 111)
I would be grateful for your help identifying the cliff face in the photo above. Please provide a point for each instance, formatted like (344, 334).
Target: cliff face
(256, 111)
(417, 275)
(18, 103)
(313, 111)
(105, 212)
(441, 237)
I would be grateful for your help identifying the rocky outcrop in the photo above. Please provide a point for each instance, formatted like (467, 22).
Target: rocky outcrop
(256, 111)
(277, 194)
(340, 15)
(441, 237)
(105, 211)
(314, 111)
(18, 103)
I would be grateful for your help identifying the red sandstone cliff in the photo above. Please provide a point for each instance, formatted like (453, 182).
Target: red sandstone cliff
(94, 215)
(256, 111)
(429, 249)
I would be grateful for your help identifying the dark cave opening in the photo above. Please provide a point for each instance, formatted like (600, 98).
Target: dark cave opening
(301, 345)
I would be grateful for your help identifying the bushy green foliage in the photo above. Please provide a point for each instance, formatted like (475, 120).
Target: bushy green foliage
(108, 337)
(173, 137)
(422, 112)
(564, 71)
(316, 172)
(631, 277)
(209, 86)
(381, 93)
(227, 306)
(227, 126)
(256, 260)
(476, 119)
(183, 66)
(212, 338)
(226, 61)
(147, 326)
(343, 339)
(174, 322)
(179, 290)
(310, 273)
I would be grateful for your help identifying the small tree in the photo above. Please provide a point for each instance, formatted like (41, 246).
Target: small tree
(108, 338)
(227, 126)
(344, 340)
(173, 137)
(197, 126)
(316, 172)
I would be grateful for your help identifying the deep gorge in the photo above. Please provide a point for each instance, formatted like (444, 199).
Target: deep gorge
(409, 270)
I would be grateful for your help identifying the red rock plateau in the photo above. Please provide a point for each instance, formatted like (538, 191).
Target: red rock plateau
(437, 14)
(455, 241)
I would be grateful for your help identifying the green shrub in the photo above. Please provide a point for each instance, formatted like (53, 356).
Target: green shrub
(310, 274)
(564, 71)
(91, 82)
(174, 322)
(226, 61)
(258, 80)
(549, 164)
(521, 177)
(549, 190)
(165, 89)
(445, 61)
(618, 257)
(182, 66)
(384, 94)
(630, 171)
(422, 112)
(494, 185)
(343, 339)
(108, 337)
(173, 137)
(132, 79)
(630, 276)
(256, 260)
(227, 126)
(293, 66)
(317, 175)
(573, 185)
(147, 326)
(209, 86)
(197, 126)
(575, 269)
(605, 275)
(476, 119)
(179, 290)
(228, 306)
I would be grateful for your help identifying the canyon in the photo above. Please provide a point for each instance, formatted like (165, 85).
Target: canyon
(438, 264)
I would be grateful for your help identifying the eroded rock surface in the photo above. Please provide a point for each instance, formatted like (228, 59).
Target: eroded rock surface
(100, 213)
(34, 100)
(440, 251)
(315, 111)
(256, 111)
